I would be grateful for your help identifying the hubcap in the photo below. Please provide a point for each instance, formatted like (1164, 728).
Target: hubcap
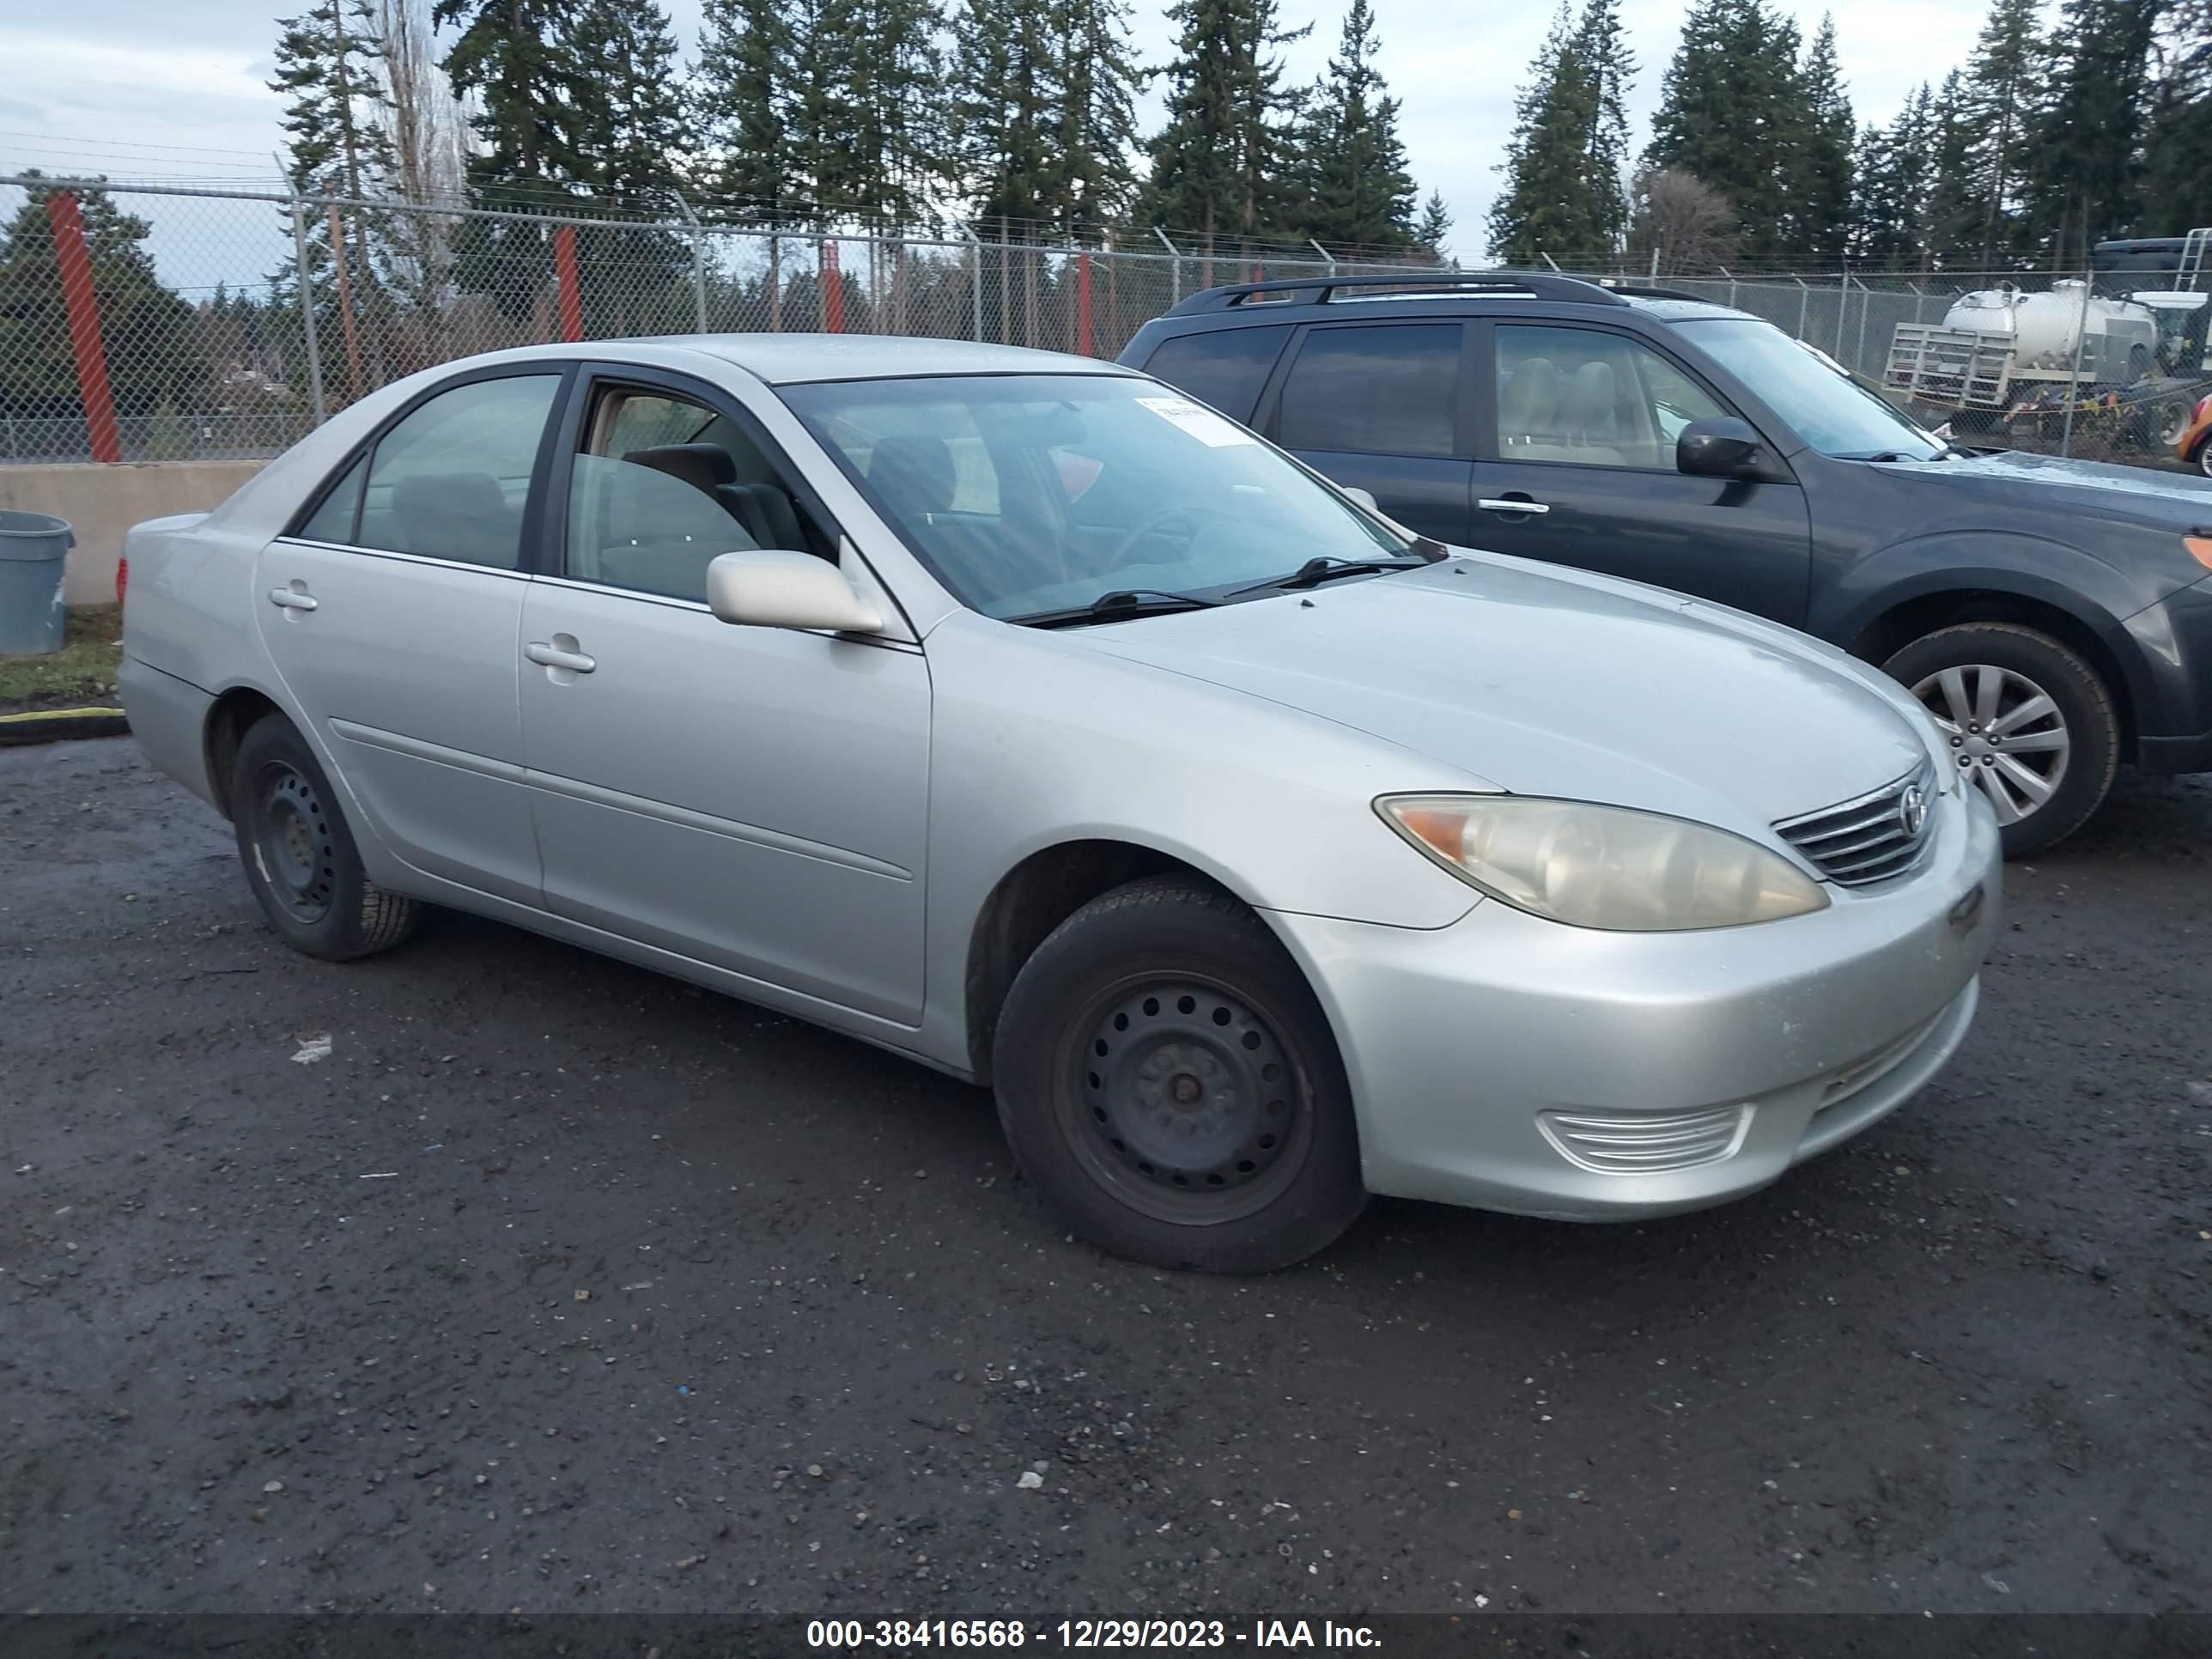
(1188, 1106)
(292, 843)
(2005, 733)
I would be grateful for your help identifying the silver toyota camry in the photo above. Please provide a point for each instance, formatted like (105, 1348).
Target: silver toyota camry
(1016, 712)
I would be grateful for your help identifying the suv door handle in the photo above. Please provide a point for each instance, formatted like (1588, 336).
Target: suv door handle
(552, 656)
(1513, 504)
(292, 599)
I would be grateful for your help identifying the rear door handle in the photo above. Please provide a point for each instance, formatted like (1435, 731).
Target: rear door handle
(1522, 505)
(292, 599)
(552, 656)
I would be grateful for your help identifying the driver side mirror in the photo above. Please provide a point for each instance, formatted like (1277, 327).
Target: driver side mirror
(1364, 497)
(769, 588)
(1723, 448)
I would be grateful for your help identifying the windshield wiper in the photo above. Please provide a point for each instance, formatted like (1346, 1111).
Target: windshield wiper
(1117, 606)
(1314, 572)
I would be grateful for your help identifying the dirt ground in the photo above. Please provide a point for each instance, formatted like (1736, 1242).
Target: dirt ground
(558, 1285)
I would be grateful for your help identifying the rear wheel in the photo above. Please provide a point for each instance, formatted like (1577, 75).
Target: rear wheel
(300, 857)
(2027, 722)
(2204, 456)
(1169, 1084)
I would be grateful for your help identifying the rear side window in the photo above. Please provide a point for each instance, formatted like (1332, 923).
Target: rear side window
(451, 480)
(1224, 369)
(1391, 389)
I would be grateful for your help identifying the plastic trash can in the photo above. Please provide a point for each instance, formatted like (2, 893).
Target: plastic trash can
(34, 551)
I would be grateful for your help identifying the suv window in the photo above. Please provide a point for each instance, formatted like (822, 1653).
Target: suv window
(1585, 397)
(663, 486)
(1225, 367)
(1388, 389)
(451, 480)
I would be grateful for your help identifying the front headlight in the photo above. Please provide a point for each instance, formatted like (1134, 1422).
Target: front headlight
(1603, 866)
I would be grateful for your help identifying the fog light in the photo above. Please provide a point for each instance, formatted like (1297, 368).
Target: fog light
(1649, 1143)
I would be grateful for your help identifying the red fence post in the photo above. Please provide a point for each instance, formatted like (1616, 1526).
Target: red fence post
(833, 289)
(83, 309)
(569, 291)
(1083, 305)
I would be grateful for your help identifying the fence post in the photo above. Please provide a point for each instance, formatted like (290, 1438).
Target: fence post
(83, 309)
(2074, 384)
(1083, 305)
(832, 286)
(345, 306)
(1842, 305)
(1804, 302)
(975, 287)
(1175, 267)
(698, 263)
(1859, 352)
(568, 293)
(307, 308)
(1327, 258)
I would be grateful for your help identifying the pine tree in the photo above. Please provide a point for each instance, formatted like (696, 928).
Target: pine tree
(1098, 81)
(1953, 209)
(894, 103)
(2003, 90)
(2085, 174)
(1217, 161)
(517, 59)
(738, 87)
(327, 67)
(1818, 166)
(1007, 112)
(1360, 193)
(1564, 195)
(630, 124)
(1434, 225)
(2177, 182)
(819, 119)
(1896, 167)
(1728, 114)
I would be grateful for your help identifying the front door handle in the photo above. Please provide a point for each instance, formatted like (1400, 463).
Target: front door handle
(1513, 504)
(554, 656)
(292, 599)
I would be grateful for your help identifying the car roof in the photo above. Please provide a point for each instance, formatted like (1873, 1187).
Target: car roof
(1481, 294)
(789, 359)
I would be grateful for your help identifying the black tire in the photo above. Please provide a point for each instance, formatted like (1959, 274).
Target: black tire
(2084, 716)
(2203, 456)
(300, 857)
(1217, 1133)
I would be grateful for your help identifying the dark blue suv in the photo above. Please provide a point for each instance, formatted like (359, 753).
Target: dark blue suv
(2054, 616)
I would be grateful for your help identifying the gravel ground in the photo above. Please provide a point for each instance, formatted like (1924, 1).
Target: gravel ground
(560, 1286)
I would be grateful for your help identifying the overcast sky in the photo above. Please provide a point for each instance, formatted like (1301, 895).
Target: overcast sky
(147, 88)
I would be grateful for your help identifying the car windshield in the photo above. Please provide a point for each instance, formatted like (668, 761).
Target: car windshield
(1028, 495)
(1834, 415)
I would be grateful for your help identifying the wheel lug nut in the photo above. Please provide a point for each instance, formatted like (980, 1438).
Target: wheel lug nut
(1988, 760)
(1958, 743)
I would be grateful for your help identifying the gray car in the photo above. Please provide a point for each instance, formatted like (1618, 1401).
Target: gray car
(1017, 714)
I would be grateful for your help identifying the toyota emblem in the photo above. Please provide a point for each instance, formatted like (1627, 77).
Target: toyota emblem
(1912, 810)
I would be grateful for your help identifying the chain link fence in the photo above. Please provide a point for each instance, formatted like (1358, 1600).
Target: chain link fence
(143, 322)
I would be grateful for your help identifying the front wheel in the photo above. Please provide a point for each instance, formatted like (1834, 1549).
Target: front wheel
(1168, 1083)
(2026, 720)
(300, 856)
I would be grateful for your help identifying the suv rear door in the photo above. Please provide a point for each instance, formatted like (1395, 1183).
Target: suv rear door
(1383, 406)
(1574, 464)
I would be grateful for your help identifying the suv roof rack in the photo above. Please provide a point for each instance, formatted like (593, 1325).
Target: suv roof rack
(1404, 285)
(1647, 291)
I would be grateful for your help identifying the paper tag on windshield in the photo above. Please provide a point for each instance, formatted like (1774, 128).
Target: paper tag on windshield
(1201, 422)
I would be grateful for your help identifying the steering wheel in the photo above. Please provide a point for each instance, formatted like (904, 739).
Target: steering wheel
(1152, 523)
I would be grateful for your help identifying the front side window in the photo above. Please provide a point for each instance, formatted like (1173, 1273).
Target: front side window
(663, 486)
(1391, 389)
(1223, 367)
(1828, 412)
(1034, 493)
(1585, 397)
(451, 480)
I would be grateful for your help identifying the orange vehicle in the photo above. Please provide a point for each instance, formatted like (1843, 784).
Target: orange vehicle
(2194, 443)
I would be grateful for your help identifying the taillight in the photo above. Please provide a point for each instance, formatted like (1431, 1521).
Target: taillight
(122, 579)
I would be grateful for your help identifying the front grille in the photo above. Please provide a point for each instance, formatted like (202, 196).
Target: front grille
(1649, 1142)
(1871, 837)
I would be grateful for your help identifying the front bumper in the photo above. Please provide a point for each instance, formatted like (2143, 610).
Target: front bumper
(1463, 1043)
(2172, 643)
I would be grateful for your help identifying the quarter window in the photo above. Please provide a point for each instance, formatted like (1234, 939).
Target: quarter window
(451, 481)
(1386, 390)
(334, 520)
(1225, 367)
(1582, 396)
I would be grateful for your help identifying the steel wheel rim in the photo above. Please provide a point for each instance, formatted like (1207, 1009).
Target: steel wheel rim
(2204, 458)
(293, 848)
(1184, 1102)
(2005, 733)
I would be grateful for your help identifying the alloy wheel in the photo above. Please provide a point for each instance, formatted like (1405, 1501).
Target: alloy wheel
(2005, 735)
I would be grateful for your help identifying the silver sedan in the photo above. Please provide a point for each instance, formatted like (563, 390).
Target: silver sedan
(1016, 712)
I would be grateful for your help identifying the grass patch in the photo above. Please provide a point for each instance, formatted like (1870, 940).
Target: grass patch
(81, 673)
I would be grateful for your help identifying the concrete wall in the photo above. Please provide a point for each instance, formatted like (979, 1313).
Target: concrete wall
(102, 502)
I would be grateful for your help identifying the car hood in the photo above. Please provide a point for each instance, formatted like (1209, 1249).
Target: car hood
(2179, 500)
(1543, 682)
